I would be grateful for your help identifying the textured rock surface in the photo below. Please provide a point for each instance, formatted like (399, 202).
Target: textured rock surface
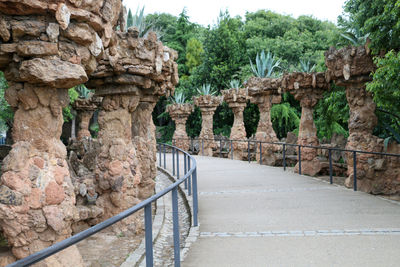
(307, 88)
(144, 138)
(207, 104)
(179, 114)
(237, 101)
(40, 206)
(117, 174)
(40, 52)
(142, 67)
(351, 67)
(265, 92)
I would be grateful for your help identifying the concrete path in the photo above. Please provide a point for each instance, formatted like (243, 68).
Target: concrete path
(252, 215)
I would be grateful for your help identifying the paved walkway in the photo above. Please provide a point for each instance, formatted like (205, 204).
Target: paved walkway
(252, 215)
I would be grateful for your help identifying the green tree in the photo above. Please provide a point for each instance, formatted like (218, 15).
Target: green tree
(224, 52)
(380, 20)
(194, 52)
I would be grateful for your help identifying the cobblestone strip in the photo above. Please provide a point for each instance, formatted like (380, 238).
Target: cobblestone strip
(272, 190)
(158, 221)
(391, 231)
(194, 231)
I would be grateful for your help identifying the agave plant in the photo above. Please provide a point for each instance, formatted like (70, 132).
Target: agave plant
(355, 37)
(83, 91)
(265, 64)
(235, 84)
(305, 66)
(138, 20)
(206, 89)
(178, 98)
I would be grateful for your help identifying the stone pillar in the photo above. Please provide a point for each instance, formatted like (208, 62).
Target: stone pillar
(351, 67)
(207, 104)
(37, 201)
(237, 101)
(145, 68)
(308, 89)
(117, 172)
(265, 92)
(179, 114)
(144, 136)
(85, 109)
(45, 49)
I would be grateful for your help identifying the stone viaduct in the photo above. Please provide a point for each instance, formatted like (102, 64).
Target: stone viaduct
(47, 47)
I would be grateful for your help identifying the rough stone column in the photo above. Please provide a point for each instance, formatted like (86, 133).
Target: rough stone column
(45, 49)
(351, 67)
(179, 114)
(85, 109)
(208, 105)
(146, 67)
(117, 172)
(144, 136)
(265, 92)
(308, 89)
(237, 101)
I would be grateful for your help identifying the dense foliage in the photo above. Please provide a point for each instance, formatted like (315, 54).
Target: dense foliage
(224, 51)
(6, 113)
(380, 21)
(228, 50)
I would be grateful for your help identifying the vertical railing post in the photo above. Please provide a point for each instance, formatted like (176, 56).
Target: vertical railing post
(177, 163)
(220, 148)
(330, 166)
(195, 200)
(173, 161)
(260, 153)
(159, 155)
(299, 159)
(189, 180)
(175, 219)
(248, 150)
(284, 157)
(165, 159)
(148, 235)
(231, 150)
(355, 170)
(185, 159)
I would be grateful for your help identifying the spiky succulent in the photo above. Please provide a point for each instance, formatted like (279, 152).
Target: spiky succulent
(206, 89)
(178, 98)
(265, 64)
(305, 66)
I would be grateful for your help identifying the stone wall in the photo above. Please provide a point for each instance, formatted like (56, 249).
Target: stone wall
(46, 47)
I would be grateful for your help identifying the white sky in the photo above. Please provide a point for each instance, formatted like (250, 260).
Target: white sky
(206, 11)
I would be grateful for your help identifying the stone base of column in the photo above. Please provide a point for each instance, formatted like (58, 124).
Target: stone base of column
(375, 174)
(270, 152)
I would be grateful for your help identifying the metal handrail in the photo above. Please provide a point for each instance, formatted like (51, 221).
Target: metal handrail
(190, 177)
(330, 149)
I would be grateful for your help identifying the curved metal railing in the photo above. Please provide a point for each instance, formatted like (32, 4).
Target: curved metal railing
(189, 179)
(258, 148)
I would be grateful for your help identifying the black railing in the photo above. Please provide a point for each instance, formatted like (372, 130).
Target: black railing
(189, 179)
(284, 146)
